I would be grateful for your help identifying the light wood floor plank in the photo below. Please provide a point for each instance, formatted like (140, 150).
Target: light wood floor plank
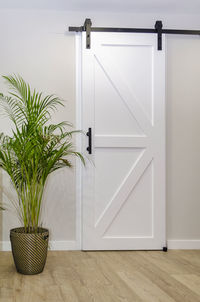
(121, 276)
(169, 262)
(165, 281)
(191, 281)
(144, 287)
(120, 290)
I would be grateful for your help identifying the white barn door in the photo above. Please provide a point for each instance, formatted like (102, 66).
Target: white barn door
(123, 102)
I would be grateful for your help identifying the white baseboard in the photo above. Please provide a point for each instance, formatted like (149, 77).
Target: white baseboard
(72, 245)
(183, 244)
(5, 246)
(53, 245)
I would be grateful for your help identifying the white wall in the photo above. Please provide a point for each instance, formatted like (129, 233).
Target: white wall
(183, 140)
(36, 45)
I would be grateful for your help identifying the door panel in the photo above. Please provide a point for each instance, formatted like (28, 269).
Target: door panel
(107, 96)
(123, 101)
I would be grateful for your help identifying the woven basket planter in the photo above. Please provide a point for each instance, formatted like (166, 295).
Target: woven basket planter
(29, 250)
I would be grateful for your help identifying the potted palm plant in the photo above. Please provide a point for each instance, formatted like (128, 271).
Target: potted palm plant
(35, 149)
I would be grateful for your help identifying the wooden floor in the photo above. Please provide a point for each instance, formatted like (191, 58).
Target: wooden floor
(106, 276)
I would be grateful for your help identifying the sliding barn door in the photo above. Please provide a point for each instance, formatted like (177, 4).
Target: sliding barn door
(123, 102)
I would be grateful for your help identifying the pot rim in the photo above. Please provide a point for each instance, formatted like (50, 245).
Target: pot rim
(19, 230)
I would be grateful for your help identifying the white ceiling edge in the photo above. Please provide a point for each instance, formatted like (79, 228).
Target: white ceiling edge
(125, 6)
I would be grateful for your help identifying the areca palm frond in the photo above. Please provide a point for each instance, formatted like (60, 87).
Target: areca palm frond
(35, 149)
(23, 106)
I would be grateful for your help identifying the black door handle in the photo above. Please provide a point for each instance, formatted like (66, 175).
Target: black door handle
(89, 134)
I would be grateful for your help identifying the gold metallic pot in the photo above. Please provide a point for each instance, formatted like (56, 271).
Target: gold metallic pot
(29, 250)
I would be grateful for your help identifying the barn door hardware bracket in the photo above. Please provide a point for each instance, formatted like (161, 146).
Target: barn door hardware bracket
(164, 248)
(158, 29)
(87, 27)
